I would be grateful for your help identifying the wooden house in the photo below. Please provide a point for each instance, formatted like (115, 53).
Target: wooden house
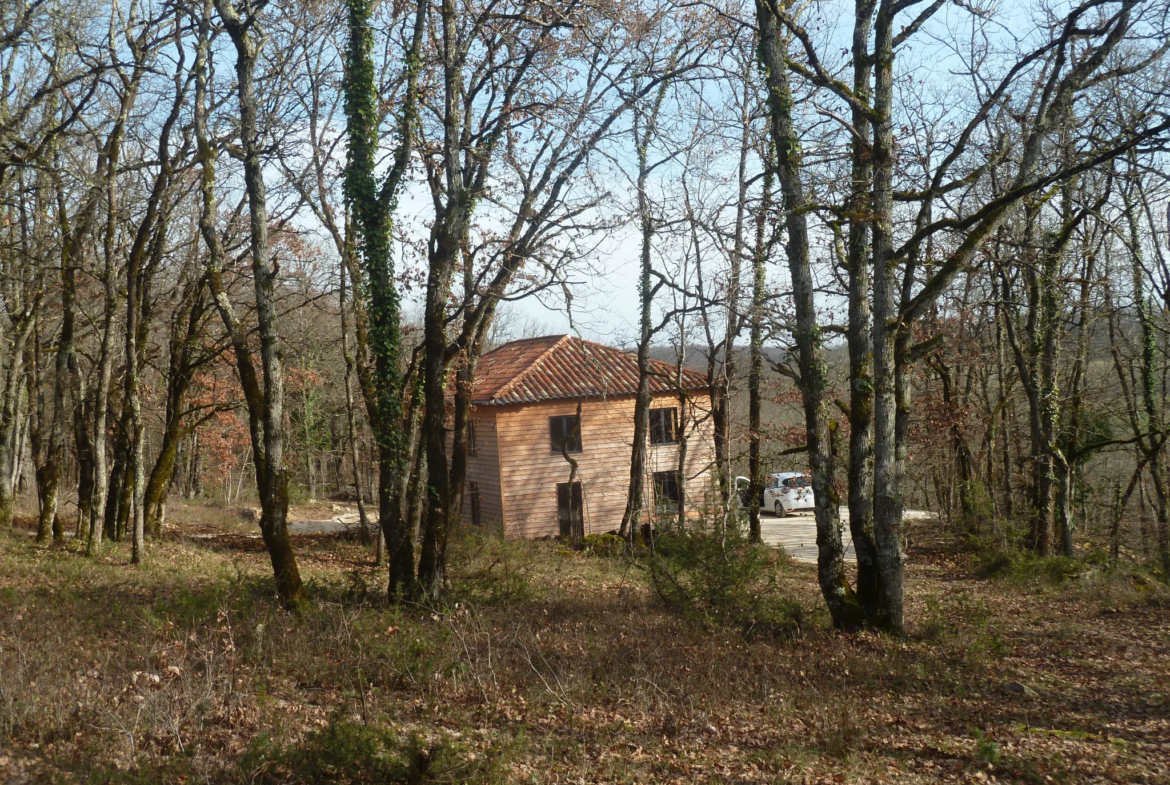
(542, 404)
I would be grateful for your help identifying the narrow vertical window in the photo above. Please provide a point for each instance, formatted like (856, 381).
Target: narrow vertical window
(564, 433)
(666, 492)
(570, 510)
(475, 513)
(664, 426)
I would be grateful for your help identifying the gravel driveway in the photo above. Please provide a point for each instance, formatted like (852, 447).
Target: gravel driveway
(797, 534)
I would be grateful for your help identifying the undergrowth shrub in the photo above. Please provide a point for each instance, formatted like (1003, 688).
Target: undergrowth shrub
(1126, 584)
(966, 624)
(712, 573)
(346, 752)
(488, 569)
(603, 544)
(1004, 555)
(1028, 567)
(978, 509)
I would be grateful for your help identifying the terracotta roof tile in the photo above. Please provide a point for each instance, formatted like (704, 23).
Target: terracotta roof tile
(563, 366)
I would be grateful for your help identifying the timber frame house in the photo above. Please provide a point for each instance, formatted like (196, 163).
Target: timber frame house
(554, 409)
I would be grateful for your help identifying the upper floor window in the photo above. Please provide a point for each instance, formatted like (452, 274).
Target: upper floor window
(663, 426)
(471, 438)
(564, 433)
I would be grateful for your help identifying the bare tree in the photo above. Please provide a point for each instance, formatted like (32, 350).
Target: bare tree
(265, 404)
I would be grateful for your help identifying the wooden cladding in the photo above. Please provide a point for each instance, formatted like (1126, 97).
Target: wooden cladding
(518, 465)
(483, 503)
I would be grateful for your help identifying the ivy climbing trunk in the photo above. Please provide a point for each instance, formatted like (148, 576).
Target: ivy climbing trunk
(371, 210)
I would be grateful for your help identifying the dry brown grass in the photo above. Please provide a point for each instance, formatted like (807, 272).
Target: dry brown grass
(549, 665)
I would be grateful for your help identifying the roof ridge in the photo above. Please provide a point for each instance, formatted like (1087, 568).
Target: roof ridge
(674, 369)
(532, 365)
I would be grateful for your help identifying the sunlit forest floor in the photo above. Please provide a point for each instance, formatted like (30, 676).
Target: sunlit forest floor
(549, 665)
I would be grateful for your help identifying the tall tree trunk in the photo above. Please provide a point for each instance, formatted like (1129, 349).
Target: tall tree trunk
(10, 410)
(185, 333)
(265, 406)
(105, 372)
(431, 567)
(721, 375)
(44, 468)
(351, 429)
(632, 518)
(859, 337)
(813, 382)
(756, 361)
(133, 405)
(887, 484)
(1148, 376)
(113, 521)
(371, 207)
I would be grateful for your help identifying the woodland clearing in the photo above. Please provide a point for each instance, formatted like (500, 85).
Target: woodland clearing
(546, 664)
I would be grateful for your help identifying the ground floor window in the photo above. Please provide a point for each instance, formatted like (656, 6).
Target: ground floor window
(666, 492)
(475, 514)
(570, 510)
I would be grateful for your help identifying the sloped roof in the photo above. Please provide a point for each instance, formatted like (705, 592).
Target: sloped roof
(555, 367)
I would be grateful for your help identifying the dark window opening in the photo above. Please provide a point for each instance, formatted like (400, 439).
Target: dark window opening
(664, 426)
(475, 514)
(471, 438)
(570, 510)
(565, 433)
(666, 492)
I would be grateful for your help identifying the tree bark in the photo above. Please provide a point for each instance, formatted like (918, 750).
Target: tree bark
(756, 360)
(265, 406)
(859, 337)
(371, 206)
(632, 518)
(813, 383)
(10, 409)
(887, 613)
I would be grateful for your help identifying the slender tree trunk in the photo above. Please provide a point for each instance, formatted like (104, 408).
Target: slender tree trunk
(351, 429)
(632, 518)
(10, 411)
(371, 208)
(133, 406)
(185, 333)
(44, 469)
(842, 603)
(101, 395)
(115, 501)
(756, 362)
(83, 452)
(1148, 376)
(859, 337)
(265, 406)
(431, 567)
(887, 488)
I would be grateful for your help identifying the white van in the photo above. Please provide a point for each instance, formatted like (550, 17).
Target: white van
(783, 493)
